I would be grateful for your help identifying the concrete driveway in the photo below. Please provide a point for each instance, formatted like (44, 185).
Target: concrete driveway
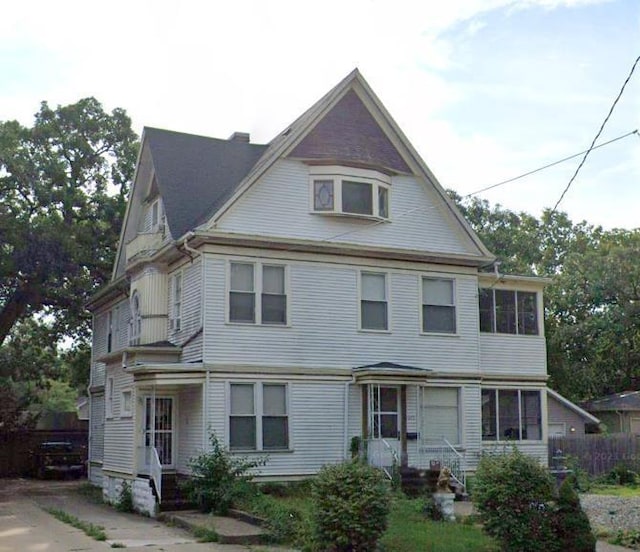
(26, 526)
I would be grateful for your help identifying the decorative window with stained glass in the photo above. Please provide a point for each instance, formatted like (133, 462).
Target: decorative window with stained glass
(323, 195)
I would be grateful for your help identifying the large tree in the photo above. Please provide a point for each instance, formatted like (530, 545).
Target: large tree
(63, 189)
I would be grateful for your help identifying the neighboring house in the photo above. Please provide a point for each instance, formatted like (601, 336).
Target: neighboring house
(619, 412)
(293, 296)
(82, 408)
(566, 418)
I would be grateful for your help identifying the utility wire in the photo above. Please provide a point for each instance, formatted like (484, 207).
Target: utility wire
(606, 119)
(552, 164)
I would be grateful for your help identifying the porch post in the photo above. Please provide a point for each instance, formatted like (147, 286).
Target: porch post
(404, 456)
(365, 412)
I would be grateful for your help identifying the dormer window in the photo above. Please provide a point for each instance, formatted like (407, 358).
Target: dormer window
(350, 191)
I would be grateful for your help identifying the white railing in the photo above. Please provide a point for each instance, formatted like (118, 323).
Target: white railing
(149, 464)
(445, 454)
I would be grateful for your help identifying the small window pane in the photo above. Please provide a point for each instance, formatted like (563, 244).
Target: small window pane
(389, 399)
(242, 433)
(485, 304)
(374, 287)
(274, 309)
(489, 415)
(357, 198)
(273, 279)
(438, 319)
(437, 292)
(505, 311)
(389, 426)
(383, 202)
(275, 434)
(242, 400)
(323, 195)
(241, 307)
(374, 315)
(241, 277)
(509, 419)
(274, 400)
(527, 313)
(531, 417)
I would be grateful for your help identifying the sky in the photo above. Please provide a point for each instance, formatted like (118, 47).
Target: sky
(484, 89)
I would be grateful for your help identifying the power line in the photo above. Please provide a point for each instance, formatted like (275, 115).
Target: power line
(552, 164)
(606, 119)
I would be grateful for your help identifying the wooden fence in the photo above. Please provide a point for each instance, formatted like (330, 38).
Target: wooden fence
(596, 454)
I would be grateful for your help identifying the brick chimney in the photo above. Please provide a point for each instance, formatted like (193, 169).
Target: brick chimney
(239, 137)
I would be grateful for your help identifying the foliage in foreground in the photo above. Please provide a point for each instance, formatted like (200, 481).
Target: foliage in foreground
(218, 477)
(572, 526)
(350, 506)
(94, 531)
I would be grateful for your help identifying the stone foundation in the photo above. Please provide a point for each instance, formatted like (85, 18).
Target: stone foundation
(144, 502)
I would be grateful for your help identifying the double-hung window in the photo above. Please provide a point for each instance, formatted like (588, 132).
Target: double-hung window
(511, 414)
(438, 305)
(440, 415)
(250, 280)
(508, 311)
(258, 416)
(176, 302)
(374, 313)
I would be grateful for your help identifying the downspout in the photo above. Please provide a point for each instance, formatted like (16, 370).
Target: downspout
(346, 417)
(205, 407)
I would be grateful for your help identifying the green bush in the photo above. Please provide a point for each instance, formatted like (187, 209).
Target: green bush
(124, 503)
(350, 507)
(218, 478)
(513, 494)
(622, 475)
(572, 527)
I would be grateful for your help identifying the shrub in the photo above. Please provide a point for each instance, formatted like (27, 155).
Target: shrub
(622, 475)
(572, 526)
(218, 478)
(513, 494)
(431, 510)
(124, 502)
(350, 507)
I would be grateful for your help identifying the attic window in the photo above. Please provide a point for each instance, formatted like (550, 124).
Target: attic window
(349, 191)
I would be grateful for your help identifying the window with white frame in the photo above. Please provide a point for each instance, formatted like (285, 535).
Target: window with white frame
(373, 301)
(511, 414)
(438, 305)
(109, 331)
(508, 311)
(267, 281)
(126, 404)
(135, 324)
(440, 414)
(350, 191)
(108, 396)
(258, 416)
(176, 302)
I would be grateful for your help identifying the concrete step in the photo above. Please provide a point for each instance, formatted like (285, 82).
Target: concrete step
(229, 530)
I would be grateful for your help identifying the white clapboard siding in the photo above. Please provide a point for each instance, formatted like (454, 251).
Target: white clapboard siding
(189, 430)
(323, 328)
(513, 355)
(316, 427)
(355, 412)
(119, 430)
(96, 438)
(191, 315)
(536, 449)
(471, 421)
(279, 205)
(121, 336)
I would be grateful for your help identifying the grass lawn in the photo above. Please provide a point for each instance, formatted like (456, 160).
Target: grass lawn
(615, 490)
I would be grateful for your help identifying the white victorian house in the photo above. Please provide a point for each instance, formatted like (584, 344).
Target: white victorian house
(293, 296)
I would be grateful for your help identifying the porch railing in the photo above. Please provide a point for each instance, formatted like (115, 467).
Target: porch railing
(149, 464)
(380, 454)
(443, 454)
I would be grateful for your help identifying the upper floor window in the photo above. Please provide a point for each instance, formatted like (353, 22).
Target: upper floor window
(156, 216)
(249, 281)
(176, 302)
(135, 324)
(438, 305)
(350, 191)
(373, 301)
(511, 414)
(508, 311)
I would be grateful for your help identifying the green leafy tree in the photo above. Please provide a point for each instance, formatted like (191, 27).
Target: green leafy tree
(63, 189)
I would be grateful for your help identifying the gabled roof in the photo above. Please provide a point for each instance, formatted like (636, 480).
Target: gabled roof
(627, 400)
(196, 174)
(572, 406)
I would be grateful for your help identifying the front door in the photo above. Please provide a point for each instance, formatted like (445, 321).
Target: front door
(159, 424)
(384, 424)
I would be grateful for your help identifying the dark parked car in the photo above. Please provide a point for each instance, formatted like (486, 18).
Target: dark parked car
(58, 459)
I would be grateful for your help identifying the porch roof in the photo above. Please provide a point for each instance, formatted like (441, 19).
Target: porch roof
(389, 370)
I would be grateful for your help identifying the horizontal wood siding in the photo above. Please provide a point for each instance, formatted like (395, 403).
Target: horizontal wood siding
(191, 316)
(119, 431)
(99, 348)
(189, 426)
(279, 205)
(513, 355)
(537, 450)
(96, 433)
(323, 328)
(192, 351)
(355, 412)
(559, 413)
